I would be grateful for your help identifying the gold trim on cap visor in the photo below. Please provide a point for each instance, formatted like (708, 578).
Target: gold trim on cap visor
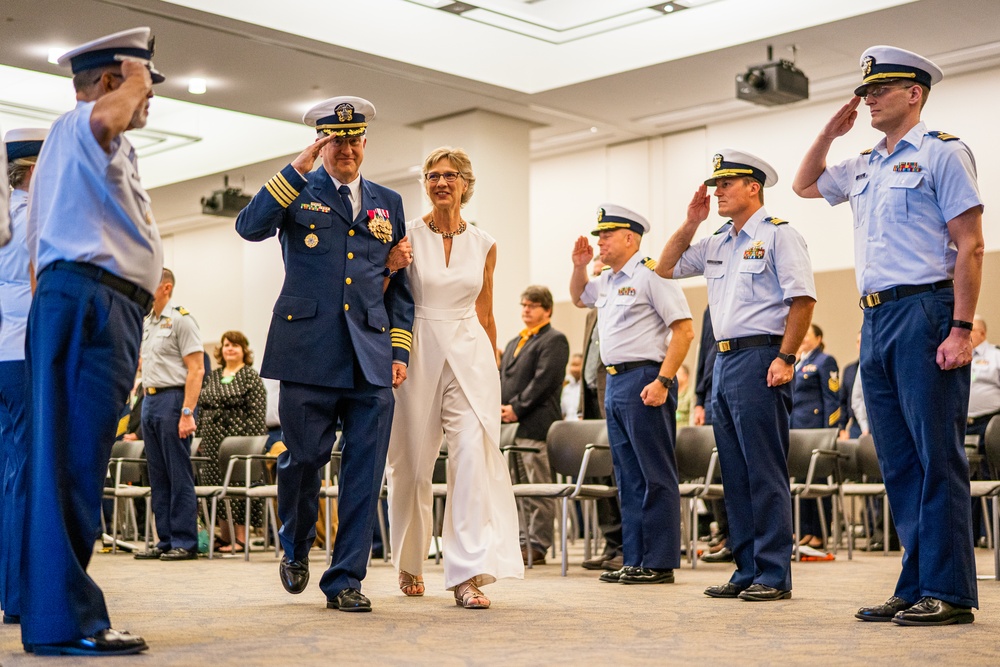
(889, 75)
(605, 226)
(722, 173)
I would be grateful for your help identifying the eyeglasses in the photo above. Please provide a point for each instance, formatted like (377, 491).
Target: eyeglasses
(529, 305)
(353, 142)
(448, 176)
(878, 91)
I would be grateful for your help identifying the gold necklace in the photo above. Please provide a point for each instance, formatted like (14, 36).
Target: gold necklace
(447, 235)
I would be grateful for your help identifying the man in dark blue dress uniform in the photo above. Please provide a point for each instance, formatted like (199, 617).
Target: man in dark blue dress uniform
(339, 339)
(97, 254)
(918, 249)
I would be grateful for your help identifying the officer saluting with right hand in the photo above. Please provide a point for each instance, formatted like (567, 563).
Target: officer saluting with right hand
(761, 296)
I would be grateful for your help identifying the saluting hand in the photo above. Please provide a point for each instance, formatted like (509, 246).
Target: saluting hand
(698, 209)
(843, 120)
(307, 158)
(582, 252)
(136, 70)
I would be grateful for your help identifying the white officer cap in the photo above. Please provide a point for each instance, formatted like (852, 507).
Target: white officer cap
(612, 216)
(729, 163)
(882, 63)
(342, 116)
(24, 142)
(111, 49)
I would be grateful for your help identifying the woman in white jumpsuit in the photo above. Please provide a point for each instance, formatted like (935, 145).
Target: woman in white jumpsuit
(452, 387)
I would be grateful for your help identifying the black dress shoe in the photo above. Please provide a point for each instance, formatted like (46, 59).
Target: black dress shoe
(723, 555)
(350, 599)
(179, 554)
(152, 554)
(646, 575)
(294, 574)
(931, 611)
(105, 642)
(11, 619)
(614, 576)
(883, 613)
(726, 590)
(762, 593)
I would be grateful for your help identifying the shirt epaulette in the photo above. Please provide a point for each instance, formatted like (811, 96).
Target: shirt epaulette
(943, 136)
(281, 190)
(722, 228)
(775, 221)
(182, 311)
(649, 263)
(866, 151)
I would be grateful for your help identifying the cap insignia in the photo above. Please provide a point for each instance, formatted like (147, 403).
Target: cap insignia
(345, 112)
(866, 65)
(717, 161)
(600, 214)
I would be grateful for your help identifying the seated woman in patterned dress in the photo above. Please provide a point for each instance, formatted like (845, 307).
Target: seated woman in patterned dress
(233, 402)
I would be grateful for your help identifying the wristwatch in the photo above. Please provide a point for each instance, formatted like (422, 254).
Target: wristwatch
(664, 380)
(388, 273)
(787, 358)
(187, 412)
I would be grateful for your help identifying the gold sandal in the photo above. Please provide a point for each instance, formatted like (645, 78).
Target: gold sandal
(466, 594)
(411, 585)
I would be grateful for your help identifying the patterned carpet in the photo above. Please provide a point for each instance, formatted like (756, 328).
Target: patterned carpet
(229, 612)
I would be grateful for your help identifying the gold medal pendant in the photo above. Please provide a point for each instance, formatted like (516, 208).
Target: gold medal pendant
(380, 228)
(312, 241)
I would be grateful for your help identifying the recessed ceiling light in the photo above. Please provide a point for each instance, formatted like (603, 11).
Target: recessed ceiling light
(197, 85)
(55, 52)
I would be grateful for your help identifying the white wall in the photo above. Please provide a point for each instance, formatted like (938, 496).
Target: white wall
(229, 283)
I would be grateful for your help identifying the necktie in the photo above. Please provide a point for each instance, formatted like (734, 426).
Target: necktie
(345, 199)
(525, 335)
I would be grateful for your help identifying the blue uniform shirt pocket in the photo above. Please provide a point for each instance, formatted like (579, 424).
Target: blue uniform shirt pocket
(857, 202)
(903, 193)
(291, 308)
(749, 272)
(312, 233)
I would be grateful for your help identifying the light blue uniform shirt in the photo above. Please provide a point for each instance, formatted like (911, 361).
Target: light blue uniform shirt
(902, 204)
(166, 340)
(4, 206)
(635, 308)
(752, 275)
(89, 206)
(15, 282)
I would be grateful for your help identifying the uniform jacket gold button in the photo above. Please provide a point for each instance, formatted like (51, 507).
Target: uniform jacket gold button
(312, 226)
(347, 306)
(348, 281)
(289, 317)
(350, 232)
(350, 255)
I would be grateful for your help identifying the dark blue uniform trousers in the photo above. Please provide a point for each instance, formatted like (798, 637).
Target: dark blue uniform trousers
(750, 422)
(642, 448)
(82, 351)
(14, 424)
(171, 478)
(309, 417)
(917, 415)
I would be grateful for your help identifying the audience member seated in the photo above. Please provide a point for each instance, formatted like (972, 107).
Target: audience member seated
(233, 402)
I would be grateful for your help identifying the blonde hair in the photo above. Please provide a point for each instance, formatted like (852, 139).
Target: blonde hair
(17, 170)
(460, 159)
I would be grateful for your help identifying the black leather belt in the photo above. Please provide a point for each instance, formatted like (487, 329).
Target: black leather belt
(900, 292)
(629, 365)
(152, 391)
(120, 285)
(743, 343)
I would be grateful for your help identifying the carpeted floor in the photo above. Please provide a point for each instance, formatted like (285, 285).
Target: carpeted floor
(230, 612)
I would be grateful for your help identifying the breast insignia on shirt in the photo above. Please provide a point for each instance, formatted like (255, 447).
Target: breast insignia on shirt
(311, 240)
(943, 136)
(756, 251)
(379, 225)
(649, 263)
(775, 221)
(626, 291)
(809, 368)
(906, 166)
(315, 206)
(866, 151)
(860, 176)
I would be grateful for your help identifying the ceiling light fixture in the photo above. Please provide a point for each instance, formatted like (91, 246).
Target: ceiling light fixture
(197, 86)
(55, 52)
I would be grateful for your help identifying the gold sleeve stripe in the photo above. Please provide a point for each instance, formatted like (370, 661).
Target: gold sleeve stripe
(402, 346)
(279, 197)
(402, 333)
(835, 417)
(285, 186)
